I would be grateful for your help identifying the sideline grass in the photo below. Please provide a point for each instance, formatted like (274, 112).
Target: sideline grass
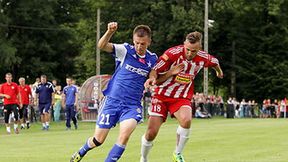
(215, 140)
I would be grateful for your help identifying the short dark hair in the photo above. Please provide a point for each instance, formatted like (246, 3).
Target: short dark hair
(43, 76)
(194, 37)
(142, 31)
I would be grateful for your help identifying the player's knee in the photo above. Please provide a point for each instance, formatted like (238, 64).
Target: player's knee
(151, 134)
(185, 121)
(96, 142)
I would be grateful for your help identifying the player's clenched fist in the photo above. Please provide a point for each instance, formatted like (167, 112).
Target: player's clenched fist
(112, 26)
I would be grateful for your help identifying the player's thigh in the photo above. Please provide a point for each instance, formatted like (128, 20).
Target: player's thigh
(47, 108)
(41, 108)
(15, 109)
(182, 110)
(125, 130)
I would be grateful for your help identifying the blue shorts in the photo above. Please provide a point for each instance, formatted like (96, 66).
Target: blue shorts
(112, 111)
(44, 108)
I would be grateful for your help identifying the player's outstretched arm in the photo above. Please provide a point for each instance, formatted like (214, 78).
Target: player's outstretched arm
(219, 71)
(103, 42)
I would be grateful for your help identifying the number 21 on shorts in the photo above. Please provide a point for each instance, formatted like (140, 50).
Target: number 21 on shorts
(104, 119)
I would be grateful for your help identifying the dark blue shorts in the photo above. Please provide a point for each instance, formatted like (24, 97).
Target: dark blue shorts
(44, 108)
(112, 111)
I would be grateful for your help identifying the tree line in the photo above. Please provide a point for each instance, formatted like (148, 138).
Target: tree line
(58, 38)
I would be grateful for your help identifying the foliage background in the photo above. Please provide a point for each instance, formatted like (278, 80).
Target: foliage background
(58, 37)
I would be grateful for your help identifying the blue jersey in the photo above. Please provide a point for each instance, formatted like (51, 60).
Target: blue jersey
(45, 92)
(70, 94)
(132, 70)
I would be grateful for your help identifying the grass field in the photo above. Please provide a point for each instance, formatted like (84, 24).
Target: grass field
(214, 140)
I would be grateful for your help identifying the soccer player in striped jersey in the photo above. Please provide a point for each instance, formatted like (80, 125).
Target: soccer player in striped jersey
(173, 93)
(122, 101)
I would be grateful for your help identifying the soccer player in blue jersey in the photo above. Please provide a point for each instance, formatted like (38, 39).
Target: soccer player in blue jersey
(45, 95)
(69, 101)
(122, 101)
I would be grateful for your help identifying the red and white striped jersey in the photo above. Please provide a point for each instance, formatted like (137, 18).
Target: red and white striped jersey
(181, 85)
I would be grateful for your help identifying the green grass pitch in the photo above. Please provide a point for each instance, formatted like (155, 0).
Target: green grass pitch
(214, 140)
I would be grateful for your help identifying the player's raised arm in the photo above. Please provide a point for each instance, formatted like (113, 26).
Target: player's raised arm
(103, 42)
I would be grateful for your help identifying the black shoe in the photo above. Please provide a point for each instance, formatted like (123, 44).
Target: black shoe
(28, 125)
(22, 127)
(76, 126)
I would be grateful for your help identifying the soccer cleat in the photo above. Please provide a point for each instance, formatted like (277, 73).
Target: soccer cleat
(76, 126)
(47, 127)
(178, 157)
(28, 125)
(76, 157)
(22, 127)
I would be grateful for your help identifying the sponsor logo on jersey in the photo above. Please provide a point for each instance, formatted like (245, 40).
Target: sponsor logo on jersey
(138, 110)
(137, 70)
(183, 78)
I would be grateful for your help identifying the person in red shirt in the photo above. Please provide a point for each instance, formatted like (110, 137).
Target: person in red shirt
(26, 95)
(10, 92)
(178, 67)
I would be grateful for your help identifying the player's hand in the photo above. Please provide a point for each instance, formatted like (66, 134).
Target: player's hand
(149, 82)
(20, 105)
(112, 27)
(7, 96)
(219, 75)
(177, 69)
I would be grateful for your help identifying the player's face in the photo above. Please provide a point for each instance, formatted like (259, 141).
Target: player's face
(43, 80)
(22, 82)
(191, 49)
(141, 44)
(68, 81)
(8, 78)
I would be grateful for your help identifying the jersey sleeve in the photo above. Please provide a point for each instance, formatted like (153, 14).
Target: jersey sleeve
(119, 52)
(209, 60)
(1, 89)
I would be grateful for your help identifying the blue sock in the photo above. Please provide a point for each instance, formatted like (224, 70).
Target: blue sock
(84, 149)
(115, 153)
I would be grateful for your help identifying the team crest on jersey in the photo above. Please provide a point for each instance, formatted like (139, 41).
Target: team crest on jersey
(183, 78)
(25, 89)
(47, 86)
(138, 110)
(12, 87)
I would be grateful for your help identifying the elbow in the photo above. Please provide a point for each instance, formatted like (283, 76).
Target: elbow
(100, 45)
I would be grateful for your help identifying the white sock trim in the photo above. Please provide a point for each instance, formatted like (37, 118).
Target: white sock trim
(145, 142)
(184, 132)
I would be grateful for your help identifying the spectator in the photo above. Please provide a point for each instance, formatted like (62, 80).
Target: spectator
(10, 92)
(26, 95)
(45, 95)
(57, 105)
(200, 114)
(69, 102)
